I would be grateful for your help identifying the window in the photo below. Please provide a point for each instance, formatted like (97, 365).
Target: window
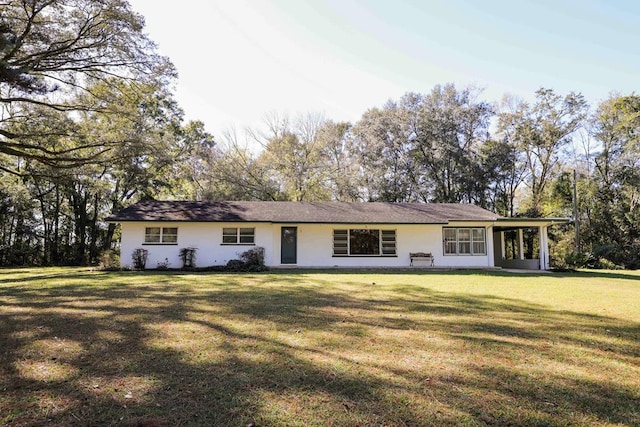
(238, 236)
(450, 240)
(341, 242)
(364, 242)
(464, 241)
(388, 242)
(160, 235)
(477, 236)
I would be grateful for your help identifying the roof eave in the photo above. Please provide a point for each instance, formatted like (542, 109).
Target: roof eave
(471, 220)
(117, 221)
(537, 221)
(516, 219)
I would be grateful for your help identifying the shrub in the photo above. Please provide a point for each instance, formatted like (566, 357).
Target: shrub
(613, 256)
(253, 257)
(609, 265)
(139, 257)
(235, 265)
(608, 256)
(164, 265)
(579, 260)
(110, 260)
(250, 261)
(188, 257)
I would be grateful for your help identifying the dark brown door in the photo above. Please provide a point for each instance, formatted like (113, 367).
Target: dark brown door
(289, 245)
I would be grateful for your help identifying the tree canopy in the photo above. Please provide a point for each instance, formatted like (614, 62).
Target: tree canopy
(53, 54)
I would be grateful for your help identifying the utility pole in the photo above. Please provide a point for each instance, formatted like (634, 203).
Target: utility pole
(576, 220)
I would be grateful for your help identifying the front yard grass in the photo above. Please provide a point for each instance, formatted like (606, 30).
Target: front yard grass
(293, 348)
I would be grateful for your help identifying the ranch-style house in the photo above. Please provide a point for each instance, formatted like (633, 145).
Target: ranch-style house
(334, 234)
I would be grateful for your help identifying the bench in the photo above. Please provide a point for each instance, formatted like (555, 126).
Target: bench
(424, 259)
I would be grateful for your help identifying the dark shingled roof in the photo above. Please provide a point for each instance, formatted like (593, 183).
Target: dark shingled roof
(303, 212)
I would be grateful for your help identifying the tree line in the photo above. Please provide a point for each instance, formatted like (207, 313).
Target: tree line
(89, 125)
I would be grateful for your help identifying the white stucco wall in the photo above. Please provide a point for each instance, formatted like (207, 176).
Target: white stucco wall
(315, 245)
(206, 237)
(314, 249)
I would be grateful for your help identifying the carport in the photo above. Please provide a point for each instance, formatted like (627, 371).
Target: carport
(522, 243)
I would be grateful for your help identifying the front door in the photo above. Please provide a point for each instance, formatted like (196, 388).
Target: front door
(288, 245)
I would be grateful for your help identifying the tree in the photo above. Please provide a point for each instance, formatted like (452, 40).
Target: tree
(233, 171)
(502, 172)
(448, 131)
(424, 147)
(340, 165)
(149, 141)
(194, 155)
(18, 241)
(616, 127)
(52, 51)
(295, 156)
(382, 148)
(541, 131)
(613, 226)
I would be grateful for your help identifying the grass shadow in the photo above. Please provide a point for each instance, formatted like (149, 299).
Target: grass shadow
(228, 350)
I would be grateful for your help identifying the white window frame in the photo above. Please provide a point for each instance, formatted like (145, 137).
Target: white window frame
(387, 240)
(464, 241)
(239, 236)
(160, 236)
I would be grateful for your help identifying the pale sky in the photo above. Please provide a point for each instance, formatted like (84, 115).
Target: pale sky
(239, 60)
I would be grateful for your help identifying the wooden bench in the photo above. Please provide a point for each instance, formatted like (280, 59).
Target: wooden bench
(422, 257)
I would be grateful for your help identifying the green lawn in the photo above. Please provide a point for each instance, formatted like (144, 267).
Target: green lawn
(79, 347)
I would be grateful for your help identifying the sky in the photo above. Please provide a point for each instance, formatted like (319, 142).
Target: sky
(241, 60)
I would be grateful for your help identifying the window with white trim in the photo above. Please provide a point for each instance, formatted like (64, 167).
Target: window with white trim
(464, 241)
(238, 236)
(364, 242)
(161, 235)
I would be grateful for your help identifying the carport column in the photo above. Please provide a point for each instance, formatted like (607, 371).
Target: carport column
(490, 246)
(520, 244)
(544, 248)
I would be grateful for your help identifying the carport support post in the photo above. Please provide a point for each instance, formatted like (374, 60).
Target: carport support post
(490, 246)
(520, 244)
(544, 248)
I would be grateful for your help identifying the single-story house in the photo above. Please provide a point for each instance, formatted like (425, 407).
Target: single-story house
(333, 234)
